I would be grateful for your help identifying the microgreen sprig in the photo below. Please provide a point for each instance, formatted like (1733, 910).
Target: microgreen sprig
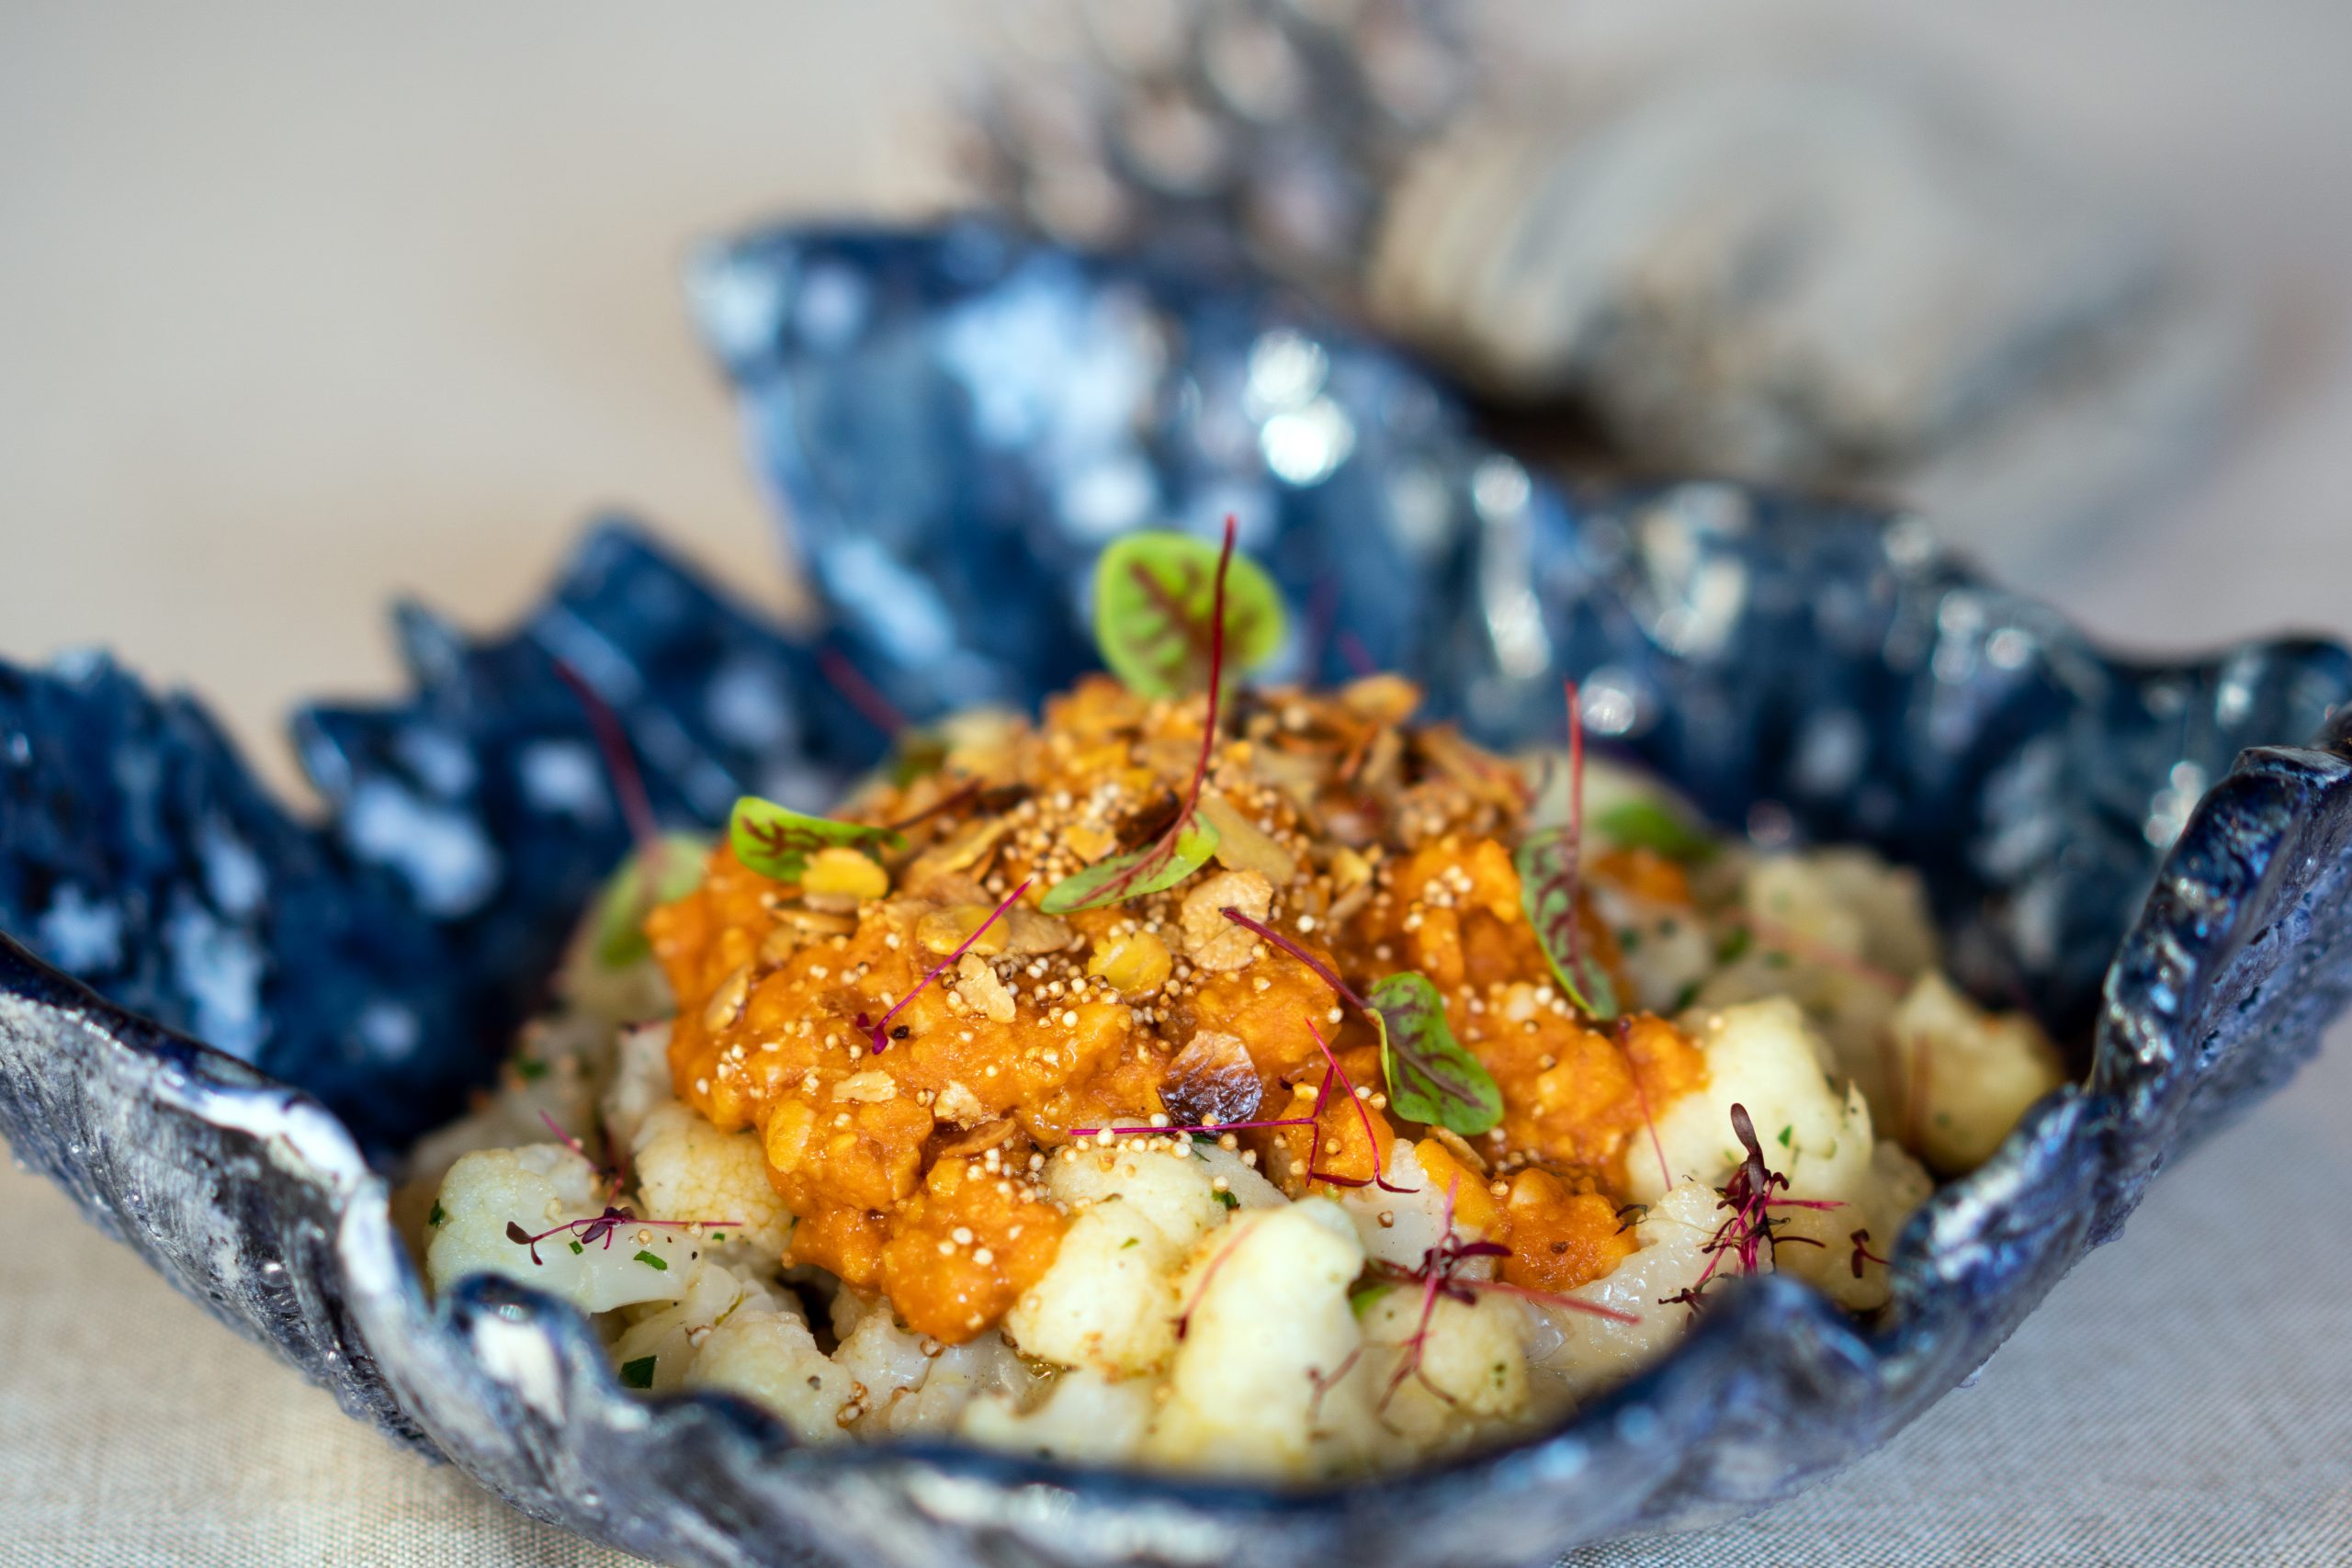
(1750, 1233)
(1188, 840)
(601, 1228)
(877, 1032)
(1549, 875)
(1431, 1077)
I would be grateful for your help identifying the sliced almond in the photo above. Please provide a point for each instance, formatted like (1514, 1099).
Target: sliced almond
(1242, 845)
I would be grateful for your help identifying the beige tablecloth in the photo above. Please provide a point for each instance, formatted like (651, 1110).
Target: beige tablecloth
(303, 306)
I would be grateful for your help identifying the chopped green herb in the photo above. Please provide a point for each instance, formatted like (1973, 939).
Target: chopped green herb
(1646, 824)
(1155, 603)
(1230, 1200)
(718, 1236)
(576, 1247)
(1630, 940)
(1785, 1132)
(674, 862)
(1685, 996)
(1129, 1242)
(530, 1069)
(776, 841)
(637, 1373)
(440, 1216)
(653, 1260)
(1733, 948)
(1364, 1298)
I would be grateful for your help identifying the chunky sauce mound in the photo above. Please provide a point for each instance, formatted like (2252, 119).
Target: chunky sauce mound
(1373, 844)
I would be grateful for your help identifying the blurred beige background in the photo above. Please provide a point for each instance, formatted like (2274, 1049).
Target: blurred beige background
(301, 306)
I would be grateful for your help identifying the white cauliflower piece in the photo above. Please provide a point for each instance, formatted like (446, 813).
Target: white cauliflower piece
(1472, 1369)
(1110, 1300)
(984, 1366)
(772, 1358)
(1416, 1218)
(1763, 1056)
(1269, 1328)
(885, 1361)
(1083, 1415)
(640, 1081)
(688, 1169)
(1962, 1076)
(537, 1188)
(1579, 1353)
(657, 1350)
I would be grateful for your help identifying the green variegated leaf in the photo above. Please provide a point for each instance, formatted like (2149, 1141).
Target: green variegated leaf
(1431, 1078)
(1149, 870)
(1547, 894)
(671, 869)
(1155, 596)
(776, 841)
(1645, 824)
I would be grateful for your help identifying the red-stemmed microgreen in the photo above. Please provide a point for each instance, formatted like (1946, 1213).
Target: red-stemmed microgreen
(1185, 845)
(1549, 865)
(611, 1170)
(1750, 1233)
(1440, 1274)
(1431, 1077)
(660, 867)
(1860, 1241)
(862, 694)
(1170, 607)
(776, 841)
(586, 1233)
(877, 1032)
(1642, 1098)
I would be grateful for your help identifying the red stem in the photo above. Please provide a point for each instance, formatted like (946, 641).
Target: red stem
(879, 1033)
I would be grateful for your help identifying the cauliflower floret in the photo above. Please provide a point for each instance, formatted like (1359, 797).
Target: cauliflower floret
(771, 1357)
(1269, 1327)
(1578, 1353)
(688, 1169)
(1764, 1057)
(1109, 1302)
(959, 1374)
(537, 1188)
(1471, 1368)
(1083, 1415)
(668, 1337)
(1416, 1216)
(640, 1081)
(1962, 1076)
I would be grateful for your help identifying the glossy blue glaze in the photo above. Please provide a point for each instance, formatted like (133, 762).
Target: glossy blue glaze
(956, 421)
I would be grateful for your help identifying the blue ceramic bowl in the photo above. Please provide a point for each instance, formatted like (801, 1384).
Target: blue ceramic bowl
(2152, 855)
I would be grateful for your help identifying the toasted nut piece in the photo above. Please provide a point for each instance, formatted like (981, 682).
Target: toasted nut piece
(945, 931)
(868, 1088)
(726, 1003)
(982, 991)
(1136, 965)
(1242, 845)
(967, 851)
(1210, 939)
(842, 873)
(959, 1107)
(1383, 698)
(1089, 842)
(1028, 933)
